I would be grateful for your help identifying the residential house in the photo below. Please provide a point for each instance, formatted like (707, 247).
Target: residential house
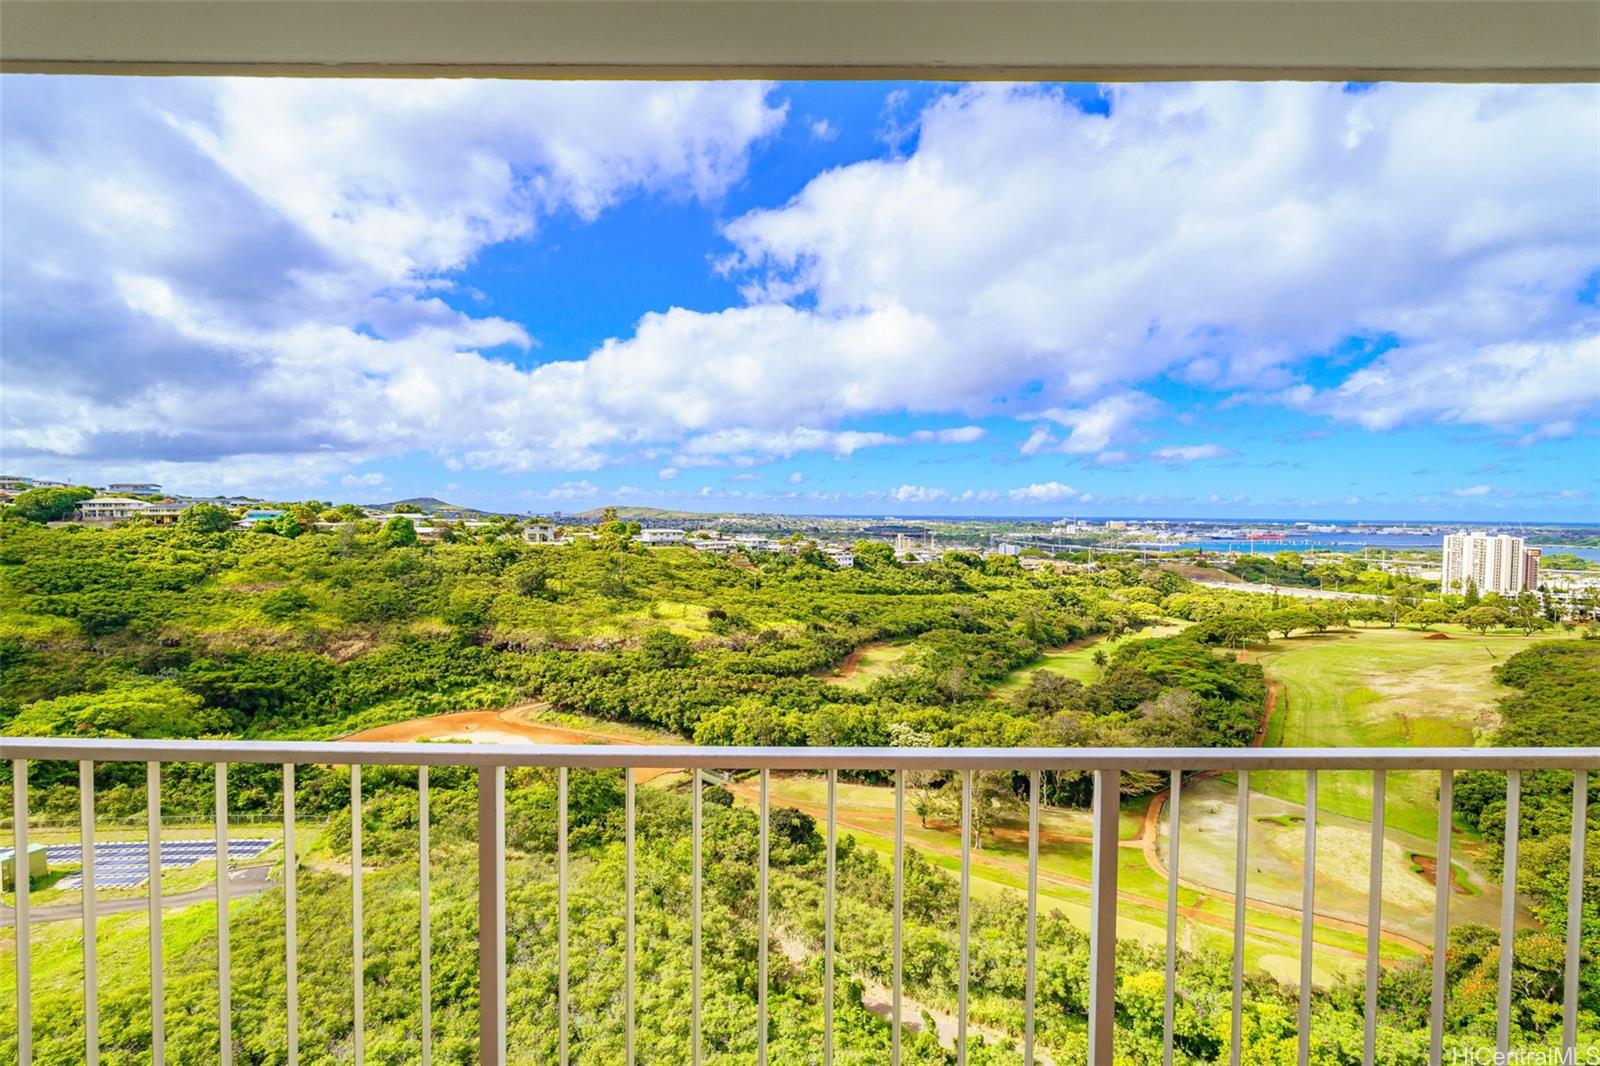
(539, 533)
(107, 509)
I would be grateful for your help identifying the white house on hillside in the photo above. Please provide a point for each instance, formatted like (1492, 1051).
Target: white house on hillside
(110, 509)
(658, 537)
(539, 533)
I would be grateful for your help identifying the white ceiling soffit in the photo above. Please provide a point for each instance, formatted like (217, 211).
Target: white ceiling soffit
(1466, 40)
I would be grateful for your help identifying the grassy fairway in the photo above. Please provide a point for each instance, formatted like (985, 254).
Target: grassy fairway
(1077, 660)
(867, 664)
(867, 813)
(1383, 688)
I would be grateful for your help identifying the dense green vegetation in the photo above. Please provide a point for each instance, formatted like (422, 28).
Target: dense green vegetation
(1556, 702)
(309, 633)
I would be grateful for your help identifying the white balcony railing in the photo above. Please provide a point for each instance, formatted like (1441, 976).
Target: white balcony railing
(491, 761)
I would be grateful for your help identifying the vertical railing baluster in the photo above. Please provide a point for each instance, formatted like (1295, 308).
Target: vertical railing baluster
(694, 934)
(358, 982)
(1241, 847)
(152, 847)
(964, 935)
(899, 912)
(91, 963)
(827, 920)
(1170, 1008)
(224, 941)
(1508, 911)
(1308, 916)
(1030, 979)
(424, 916)
(629, 917)
(761, 923)
(291, 920)
(1441, 919)
(1569, 993)
(21, 873)
(1369, 1045)
(491, 916)
(563, 1009)
(1103, 917)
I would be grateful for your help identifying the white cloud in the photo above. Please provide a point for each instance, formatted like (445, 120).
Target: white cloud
(1102, 423)
(356, 481)
(1044, 492)
(1548, 431)
(245, 274)
(1473, 490)
(1189, 453)
(572, 490)
(1509, 384)
(1079, 255)
(667, 473)
(918, 494)
(796, 478)
(958, 435)
(248, 274)
(823, 130)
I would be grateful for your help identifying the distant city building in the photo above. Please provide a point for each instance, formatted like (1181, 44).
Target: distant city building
(133, 488)
(15, 483)
(1497, 563)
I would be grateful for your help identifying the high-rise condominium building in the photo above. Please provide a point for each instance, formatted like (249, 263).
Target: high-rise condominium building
(1490, 562)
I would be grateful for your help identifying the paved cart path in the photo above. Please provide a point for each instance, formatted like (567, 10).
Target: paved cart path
(246, 882)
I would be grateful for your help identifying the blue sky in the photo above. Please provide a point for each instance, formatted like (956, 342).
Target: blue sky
(1232, 300)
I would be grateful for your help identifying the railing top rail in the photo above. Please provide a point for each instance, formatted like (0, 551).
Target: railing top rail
(642, 756)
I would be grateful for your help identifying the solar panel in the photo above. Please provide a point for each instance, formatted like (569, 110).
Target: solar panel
(125, 863)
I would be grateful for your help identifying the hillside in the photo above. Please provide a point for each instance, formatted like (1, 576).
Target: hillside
(657, 514)
(429, 505)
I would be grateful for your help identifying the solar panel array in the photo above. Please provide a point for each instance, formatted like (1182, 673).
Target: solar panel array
(126, 864)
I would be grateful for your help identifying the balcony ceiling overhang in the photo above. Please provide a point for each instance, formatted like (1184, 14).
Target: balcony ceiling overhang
(1415, 40)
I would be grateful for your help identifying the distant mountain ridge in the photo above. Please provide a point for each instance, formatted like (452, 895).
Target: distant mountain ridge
(654, 514)
(426, 504)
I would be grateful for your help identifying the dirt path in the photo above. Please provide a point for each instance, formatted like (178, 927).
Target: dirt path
(852, 662)
(1429, 865)
(509, 725)
(879, 999)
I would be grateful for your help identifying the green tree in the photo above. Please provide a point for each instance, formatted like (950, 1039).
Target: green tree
(663, 649)
(1482, 619)
(873, 555)
(47, 504)
(1428, 614)
(205, 518)
(1286, 620)
(398, 532)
